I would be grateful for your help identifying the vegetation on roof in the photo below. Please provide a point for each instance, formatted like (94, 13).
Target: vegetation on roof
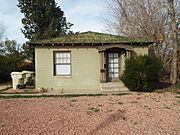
(90, 37)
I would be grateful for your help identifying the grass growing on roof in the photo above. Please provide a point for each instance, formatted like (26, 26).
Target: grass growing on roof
(90, 37)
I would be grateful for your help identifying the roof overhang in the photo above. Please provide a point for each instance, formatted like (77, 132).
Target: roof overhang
(120, 46)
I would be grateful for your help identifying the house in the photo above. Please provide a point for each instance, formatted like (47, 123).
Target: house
(25, 64)
(81, 62)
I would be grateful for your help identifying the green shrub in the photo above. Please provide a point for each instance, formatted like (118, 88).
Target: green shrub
(142, 73)
(177, 85)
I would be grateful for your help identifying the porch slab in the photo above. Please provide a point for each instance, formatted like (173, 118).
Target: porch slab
(117, 86)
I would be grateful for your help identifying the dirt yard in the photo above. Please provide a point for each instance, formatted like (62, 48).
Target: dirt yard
(135, 114)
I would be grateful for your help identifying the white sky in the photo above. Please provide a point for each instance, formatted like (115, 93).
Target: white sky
(86, 15)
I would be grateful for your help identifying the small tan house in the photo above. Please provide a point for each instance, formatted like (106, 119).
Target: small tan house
(79, 63)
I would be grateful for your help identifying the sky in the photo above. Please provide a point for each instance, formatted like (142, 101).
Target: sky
(86, 15)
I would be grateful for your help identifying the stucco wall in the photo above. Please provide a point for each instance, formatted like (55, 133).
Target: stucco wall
(137, 50)
(122, 63)
(141, 50)
(85, 66)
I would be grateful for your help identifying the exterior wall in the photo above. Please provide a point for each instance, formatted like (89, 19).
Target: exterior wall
(85, 70)
(141, 50)
(122, 63)
(137, 50)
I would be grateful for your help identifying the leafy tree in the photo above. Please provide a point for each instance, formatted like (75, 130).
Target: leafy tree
(8, 57)
(43, 19)
(27, 52)
(9, 47)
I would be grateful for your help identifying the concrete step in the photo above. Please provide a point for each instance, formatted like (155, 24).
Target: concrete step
(113, 86)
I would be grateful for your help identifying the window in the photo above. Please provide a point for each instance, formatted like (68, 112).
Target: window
(62, 63)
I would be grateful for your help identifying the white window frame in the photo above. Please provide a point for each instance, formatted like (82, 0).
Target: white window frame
(62, 59)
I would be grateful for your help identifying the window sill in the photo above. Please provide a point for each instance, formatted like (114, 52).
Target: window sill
(63, 76)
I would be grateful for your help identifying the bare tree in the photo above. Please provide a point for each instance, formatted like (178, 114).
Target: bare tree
(139, 18)
(174, 66)
(2, 30)
(148, 19)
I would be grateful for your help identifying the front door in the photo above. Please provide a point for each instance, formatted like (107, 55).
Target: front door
(113, 66)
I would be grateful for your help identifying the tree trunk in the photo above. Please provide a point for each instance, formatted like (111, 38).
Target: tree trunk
(174, 66)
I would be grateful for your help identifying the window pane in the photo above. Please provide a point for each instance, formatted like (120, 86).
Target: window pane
(68, 55)
(63, 69)
(116, 65)
(115, 55)
(111, 61)
(63, 60)
(110, 55)
(116, 70)
(56, 55)
(62, 57)
(68, 60)
(111, 75)
(116, 60)
(57, 60)
(111, 70)
(110, 65)
(116, 75)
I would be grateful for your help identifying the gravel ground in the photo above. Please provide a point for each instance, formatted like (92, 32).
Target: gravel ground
(135, 114)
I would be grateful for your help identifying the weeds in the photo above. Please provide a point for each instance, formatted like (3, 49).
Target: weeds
(120, 103)
(73, 100)
(133, 102)
(46, 96)
(121, 94)
(167, 107)
(94, 109)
